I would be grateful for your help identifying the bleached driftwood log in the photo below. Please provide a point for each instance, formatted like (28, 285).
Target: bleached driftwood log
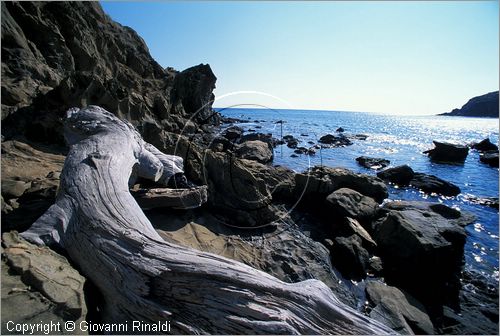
(141, 276)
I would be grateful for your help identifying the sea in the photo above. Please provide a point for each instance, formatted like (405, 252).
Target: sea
(402, 140)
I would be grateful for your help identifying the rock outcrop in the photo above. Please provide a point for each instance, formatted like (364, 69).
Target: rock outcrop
(57, 55)
(490, 158)
(480, 106)
(255, 150)
(447, 152)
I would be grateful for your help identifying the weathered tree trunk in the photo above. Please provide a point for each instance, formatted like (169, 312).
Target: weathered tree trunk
(141, 276)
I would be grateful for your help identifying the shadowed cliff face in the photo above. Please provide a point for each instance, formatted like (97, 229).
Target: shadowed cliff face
(57, 55)
(480, 106)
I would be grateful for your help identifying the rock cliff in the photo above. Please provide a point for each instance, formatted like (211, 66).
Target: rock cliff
(480, 106)
(56, 55)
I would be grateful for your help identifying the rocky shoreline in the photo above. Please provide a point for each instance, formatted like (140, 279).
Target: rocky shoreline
(401, 263)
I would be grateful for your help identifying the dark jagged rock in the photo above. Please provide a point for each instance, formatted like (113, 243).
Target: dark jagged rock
(373, 163)
(400, 175)
(57, 55)
(398, 310)
(447, 152)
(480, 106)
(233, 133)
(490, 158)
(255, 150)
(193, 88)
(484, 145)
(319, 182)
(349, 257)
(433, 184)
(421, 245)
(340, 129)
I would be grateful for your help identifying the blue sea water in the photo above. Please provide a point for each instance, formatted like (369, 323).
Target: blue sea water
(400, 139)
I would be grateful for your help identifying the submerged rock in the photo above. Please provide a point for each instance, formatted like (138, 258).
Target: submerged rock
(447, 152)
(398, 310)
(372, 163)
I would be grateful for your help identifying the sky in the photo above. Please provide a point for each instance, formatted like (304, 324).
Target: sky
(408, 58)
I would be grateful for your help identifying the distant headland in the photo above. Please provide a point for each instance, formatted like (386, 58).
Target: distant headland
(485, 106)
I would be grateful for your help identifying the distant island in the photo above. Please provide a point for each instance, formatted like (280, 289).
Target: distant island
(485, 106)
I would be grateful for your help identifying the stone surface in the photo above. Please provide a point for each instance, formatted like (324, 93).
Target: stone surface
(398, 310)
(400, 175)
(421, 245)
(283, 251)
(39, 285)
(480, 106)
(346, 202)
(233, 133)
(447, 152)
(255, 150)
(433, 184)
(316, 184)
(372, 163)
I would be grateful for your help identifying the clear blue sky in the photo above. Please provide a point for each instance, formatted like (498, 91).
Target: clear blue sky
(386, 57)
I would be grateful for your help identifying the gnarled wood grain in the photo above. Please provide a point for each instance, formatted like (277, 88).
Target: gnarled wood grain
(143, 277)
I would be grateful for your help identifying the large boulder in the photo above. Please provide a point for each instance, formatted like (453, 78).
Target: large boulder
(433, 184)
(255, 150)
(400, 175)
(346, 202)
(235, 191)
(398, 310)
(404, 176)
(447, 152)
(421, 245)
(39, 286)
(316, 184)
